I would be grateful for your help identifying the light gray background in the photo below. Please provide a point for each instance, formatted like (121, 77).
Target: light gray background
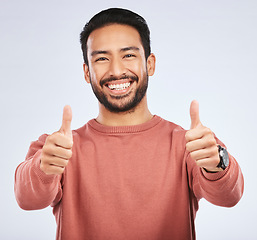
(206, 50)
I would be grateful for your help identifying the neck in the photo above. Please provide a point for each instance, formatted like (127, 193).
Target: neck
(139, 115)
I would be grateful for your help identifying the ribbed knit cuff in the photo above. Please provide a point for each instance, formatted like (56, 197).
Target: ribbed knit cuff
(214, 176)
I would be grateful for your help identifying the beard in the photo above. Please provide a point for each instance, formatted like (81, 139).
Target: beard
(123, 103)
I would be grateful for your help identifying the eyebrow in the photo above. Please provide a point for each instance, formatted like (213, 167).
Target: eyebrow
(129, 48)
(99, 52)
(96, 52)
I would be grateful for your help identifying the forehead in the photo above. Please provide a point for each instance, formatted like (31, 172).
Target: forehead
(114, 36)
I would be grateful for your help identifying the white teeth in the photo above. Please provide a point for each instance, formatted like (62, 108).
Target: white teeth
(119, 86)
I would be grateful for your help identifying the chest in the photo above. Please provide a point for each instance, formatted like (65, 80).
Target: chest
(118, 164)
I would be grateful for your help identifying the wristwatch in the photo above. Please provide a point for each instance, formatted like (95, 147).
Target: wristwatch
(224, 158)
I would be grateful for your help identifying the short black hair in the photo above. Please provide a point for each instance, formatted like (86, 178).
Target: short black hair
(119, 16)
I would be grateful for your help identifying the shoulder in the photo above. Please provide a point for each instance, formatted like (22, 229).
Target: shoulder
(173, 131)
(172, 126)
(82, 132)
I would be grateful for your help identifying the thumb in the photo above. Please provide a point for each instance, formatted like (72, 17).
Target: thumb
(66, 121)
(194, 114)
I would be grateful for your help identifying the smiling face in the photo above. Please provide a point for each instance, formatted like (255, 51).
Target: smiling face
(117, 68)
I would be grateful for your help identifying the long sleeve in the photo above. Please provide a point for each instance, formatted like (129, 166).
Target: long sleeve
(223, 188)
(33, 188)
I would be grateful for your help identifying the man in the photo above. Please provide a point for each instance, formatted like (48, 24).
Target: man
(127, 174)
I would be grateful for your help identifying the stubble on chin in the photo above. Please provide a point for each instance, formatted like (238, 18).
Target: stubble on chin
(124, 106)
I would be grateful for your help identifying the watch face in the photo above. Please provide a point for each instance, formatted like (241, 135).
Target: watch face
(225, 157)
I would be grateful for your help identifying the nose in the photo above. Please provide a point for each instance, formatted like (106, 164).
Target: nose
(117, 68)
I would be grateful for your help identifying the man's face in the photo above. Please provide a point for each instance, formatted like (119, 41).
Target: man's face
(117, 69)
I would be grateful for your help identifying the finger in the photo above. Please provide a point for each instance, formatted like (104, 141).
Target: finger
(209, 164)
(55, 161)
(57, 152)
(195, 145)
(203, 153)
(63, 153)
(58, 162)
(200, 132)
(52, 169)
(61, 140)
(66, 121)
(194, 134)
(194, 114)
(200, 143)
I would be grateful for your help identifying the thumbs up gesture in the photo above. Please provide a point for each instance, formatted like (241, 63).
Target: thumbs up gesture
(57, 149)
(201, 142)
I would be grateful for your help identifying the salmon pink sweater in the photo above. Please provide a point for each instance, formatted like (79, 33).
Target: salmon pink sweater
(126, 183)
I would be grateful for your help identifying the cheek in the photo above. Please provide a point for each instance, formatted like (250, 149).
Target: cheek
(138, 68)
(95, 73)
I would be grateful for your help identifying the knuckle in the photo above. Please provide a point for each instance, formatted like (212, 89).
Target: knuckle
(47, 149)
(51, 169)
(188, 136)
(42, 155)
(65, 163)
(198, 163)
(42, 162)
(216, 161)
(193, 155)
(43, 167)
(211, 141)
(69, 154)
(50, 138)
(188, 147)
(43, 158)
(53, 138)
(209, 130)
(70, 144)
(212, 163)
(57, 170)
(214, 150)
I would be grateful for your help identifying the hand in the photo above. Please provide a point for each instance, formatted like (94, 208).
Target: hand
(201, 142)
(57, 149)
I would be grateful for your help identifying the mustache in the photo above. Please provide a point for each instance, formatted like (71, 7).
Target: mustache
(110, 79)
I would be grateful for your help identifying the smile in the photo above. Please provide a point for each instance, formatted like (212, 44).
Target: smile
(119, 87)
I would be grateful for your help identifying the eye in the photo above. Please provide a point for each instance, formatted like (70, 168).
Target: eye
(129, 56)
(101, 59)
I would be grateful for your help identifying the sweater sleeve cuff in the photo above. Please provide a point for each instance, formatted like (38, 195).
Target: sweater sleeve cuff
(45, 179)
(216, 175)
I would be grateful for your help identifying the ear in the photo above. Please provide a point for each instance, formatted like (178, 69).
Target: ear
(86, 73)
(151, 64)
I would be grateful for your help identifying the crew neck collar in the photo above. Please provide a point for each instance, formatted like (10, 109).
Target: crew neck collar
(125, 129)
